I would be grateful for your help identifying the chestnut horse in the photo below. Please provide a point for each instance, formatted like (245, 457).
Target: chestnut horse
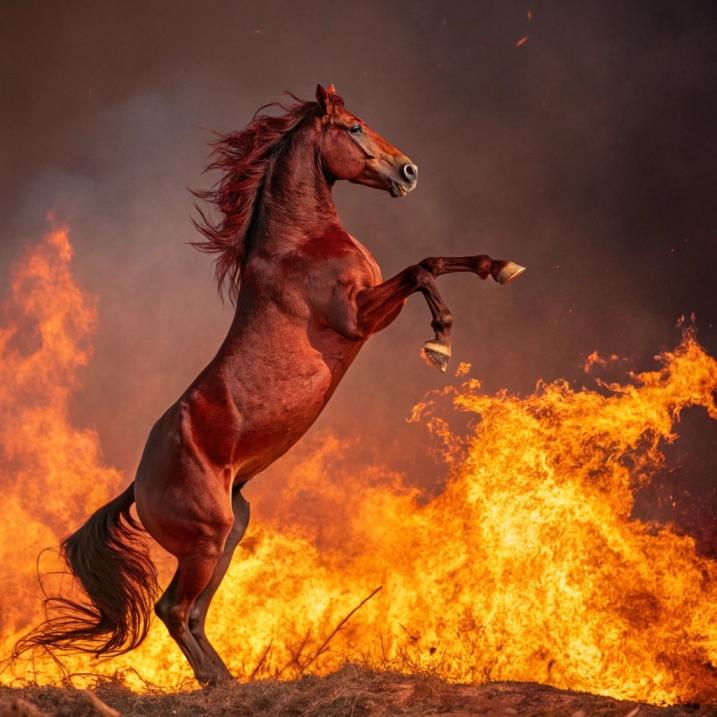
(307, 295)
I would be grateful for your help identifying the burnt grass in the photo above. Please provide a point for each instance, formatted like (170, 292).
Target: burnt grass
(353, 691)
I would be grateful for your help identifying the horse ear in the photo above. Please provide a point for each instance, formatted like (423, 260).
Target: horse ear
(323, 98)
(328, 99)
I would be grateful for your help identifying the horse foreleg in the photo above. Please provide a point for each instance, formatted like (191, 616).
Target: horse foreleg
(502, 271)
(378, 305)
(198, 614)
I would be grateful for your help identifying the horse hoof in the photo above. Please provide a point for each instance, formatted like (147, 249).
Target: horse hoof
(508, 272)
(215, 679)
(436, 354)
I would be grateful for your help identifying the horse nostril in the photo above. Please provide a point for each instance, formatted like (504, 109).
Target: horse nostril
(410, 172)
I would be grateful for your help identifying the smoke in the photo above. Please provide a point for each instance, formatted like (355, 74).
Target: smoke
(584, 154)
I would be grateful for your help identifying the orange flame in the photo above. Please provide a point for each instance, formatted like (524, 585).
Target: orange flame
(526, 567)
(594, 359)
(51, 474)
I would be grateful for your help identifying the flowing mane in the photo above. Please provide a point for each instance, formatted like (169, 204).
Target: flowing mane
(244, 158)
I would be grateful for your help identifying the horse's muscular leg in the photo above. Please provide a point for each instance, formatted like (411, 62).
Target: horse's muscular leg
(378, 305)
(502, 271)
(194, 572)
(198, 613)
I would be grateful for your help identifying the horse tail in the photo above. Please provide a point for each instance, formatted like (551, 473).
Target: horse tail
(110, 559)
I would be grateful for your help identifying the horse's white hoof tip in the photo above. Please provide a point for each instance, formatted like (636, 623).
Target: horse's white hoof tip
(510, 272)
(436, 355)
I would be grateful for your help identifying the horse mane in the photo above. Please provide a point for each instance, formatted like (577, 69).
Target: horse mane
(244, 158)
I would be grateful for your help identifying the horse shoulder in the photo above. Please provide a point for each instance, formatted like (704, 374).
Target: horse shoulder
(370, 260)
(335, 255)
(338, 267)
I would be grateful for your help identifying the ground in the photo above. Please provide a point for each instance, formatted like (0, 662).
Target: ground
(352, 691)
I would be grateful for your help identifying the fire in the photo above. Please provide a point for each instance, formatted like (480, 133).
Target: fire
(527, 566)
(51, 473)
(594, 359)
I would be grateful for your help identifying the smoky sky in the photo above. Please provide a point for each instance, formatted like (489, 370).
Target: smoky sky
(587, 154)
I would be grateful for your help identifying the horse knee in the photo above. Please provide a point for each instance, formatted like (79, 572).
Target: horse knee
(177, 620)
(433, 264)
(195, 622)
(419, 276)
(173, 616)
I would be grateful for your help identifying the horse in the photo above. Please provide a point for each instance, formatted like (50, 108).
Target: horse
(307, 296)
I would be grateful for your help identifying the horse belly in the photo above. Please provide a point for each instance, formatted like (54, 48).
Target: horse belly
(281, 416)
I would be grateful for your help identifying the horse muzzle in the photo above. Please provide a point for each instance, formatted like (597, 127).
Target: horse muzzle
(406, 181)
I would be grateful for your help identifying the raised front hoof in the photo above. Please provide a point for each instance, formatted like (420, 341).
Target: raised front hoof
(436, 354)
(507, 271)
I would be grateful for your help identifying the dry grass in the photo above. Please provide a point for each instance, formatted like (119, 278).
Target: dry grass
(351, 692)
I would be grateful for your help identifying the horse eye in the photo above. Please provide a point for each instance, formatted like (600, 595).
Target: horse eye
(355, 128)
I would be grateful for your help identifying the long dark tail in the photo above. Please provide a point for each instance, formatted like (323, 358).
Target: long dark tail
(110, 559)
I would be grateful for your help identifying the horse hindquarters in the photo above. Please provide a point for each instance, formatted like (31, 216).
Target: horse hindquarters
(182, 502)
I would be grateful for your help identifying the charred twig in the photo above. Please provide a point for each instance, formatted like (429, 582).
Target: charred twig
(261, 661)
(295, 655)
(99, 706)
(383, 651)
(148, 685)
(325, 643)
(414, 638)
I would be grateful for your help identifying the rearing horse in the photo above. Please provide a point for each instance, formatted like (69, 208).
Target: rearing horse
(308, 295)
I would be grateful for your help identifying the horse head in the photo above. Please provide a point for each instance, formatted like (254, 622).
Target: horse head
(351, 150)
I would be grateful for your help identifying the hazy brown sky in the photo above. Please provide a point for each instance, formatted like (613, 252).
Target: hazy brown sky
(588, 154)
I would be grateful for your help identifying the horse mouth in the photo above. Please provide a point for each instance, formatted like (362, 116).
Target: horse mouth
(400, 190)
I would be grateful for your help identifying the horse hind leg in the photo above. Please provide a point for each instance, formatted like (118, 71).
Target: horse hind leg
(194, 573)
(198, 613)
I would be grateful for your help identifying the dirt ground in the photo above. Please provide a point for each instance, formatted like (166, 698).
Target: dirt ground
(352, 691)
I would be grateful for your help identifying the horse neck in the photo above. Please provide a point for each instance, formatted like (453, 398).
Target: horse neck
(296, 201)
(295, 204)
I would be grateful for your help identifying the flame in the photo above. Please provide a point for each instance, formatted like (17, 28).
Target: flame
(464, 368)
(527, 566)
(50, 471)
(594, 359)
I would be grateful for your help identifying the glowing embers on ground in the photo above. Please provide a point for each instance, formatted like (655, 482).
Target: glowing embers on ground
(526, 567)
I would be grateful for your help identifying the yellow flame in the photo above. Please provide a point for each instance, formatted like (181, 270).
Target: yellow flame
(526, 567)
